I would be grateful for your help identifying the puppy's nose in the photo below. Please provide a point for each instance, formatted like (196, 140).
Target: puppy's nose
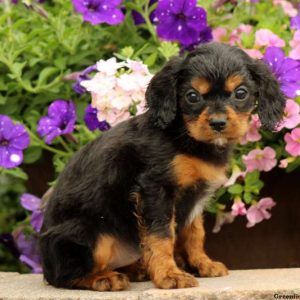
(218, 124)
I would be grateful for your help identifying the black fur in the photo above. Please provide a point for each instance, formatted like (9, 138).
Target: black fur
(93, 193)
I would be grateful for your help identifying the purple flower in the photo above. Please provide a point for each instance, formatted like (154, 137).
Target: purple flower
(33, 204)
(13, 140)
(99, 11)
(138, 18)
(286, 70)
(295, 22)
(81, 77)
(29, 250)
(60, 120)
(180, 20)
(91, 120)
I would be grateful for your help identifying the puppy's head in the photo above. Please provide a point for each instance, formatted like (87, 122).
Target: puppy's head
(213, 91)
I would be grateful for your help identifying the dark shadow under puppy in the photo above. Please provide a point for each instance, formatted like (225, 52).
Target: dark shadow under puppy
(129, 204)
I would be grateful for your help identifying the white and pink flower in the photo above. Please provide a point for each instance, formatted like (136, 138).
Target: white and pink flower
(252, 135)
(116, 87)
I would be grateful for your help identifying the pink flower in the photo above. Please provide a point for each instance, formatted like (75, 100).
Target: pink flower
(235, 36)
(293, 142)
(238, 209)
(265, 37)
(291, 116)
(262, 160)
(258, 212)
(283, 163)
(254, 53)
(252, 135)
(236, 173)
(295, 44)
(287, 7)
(219, 34)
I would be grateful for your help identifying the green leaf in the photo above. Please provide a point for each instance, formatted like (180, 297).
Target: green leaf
(16, 172)
(151, 59)
(168, 49)
(32, 154)
(248, 197)
(235, 189)
(17, 68)
(45, 74)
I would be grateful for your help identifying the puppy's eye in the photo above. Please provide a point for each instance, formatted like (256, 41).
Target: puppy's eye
(192, 97)
(241, 93)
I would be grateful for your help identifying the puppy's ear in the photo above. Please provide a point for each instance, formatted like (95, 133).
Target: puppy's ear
(161, 94)
(271, 101)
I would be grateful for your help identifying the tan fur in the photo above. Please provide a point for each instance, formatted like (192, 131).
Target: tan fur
(232, 82)
(189, 170)
(191, 242)
(202, 85)
(200, 130)
(158, 257)
(107, 281)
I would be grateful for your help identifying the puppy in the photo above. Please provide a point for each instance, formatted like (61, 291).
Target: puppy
(129, 204)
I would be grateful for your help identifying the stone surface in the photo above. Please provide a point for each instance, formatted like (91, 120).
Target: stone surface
(244, 285)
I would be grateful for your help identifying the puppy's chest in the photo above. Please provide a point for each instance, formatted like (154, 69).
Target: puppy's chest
(197, 180)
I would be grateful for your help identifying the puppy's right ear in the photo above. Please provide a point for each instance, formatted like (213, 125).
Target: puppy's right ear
(161, 94)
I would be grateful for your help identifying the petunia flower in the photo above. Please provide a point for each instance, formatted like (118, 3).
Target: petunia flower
(295, 22)
(285, 69)
(259, 211)
(91, 120)
(235, 36)
(254, 53)
(291, 117)
(267, 38)
(180, 20)
(13, 140)
(295, 44)
(287, 7)
(238, 209)
(293, 142)
(252, 135)
(219, 34)
(60, 120)
(99, 11)
(33, 204)
(29, 251)
(77, 87)
(262, 160)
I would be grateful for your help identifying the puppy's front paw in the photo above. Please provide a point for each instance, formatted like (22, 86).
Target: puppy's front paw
(175, 279)
(211, 268)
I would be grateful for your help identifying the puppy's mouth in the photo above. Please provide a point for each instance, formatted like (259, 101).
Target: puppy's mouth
(218, 129)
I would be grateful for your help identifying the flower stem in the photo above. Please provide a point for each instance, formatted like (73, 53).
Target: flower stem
(65, 145)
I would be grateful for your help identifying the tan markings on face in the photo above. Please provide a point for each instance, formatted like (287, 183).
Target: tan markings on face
(232, 82)
(202, 85)
(237, 125)
(189, 170)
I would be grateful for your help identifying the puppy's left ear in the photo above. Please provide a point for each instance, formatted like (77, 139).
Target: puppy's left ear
(271, 101)
(161, 94)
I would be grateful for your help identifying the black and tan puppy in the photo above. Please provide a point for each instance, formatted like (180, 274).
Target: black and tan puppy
(129, 204)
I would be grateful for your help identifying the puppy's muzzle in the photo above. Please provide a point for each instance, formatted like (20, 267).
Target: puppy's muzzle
(218, 124)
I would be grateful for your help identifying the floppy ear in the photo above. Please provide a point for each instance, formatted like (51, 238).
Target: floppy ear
(271, 101)
(161, 94)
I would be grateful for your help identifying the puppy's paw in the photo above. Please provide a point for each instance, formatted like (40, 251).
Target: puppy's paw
(176, 279)
(111, 282)
(211, 268)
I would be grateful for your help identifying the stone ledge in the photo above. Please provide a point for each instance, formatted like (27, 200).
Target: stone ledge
(238, 285)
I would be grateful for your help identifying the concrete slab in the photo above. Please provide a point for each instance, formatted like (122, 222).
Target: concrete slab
(238, 285)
